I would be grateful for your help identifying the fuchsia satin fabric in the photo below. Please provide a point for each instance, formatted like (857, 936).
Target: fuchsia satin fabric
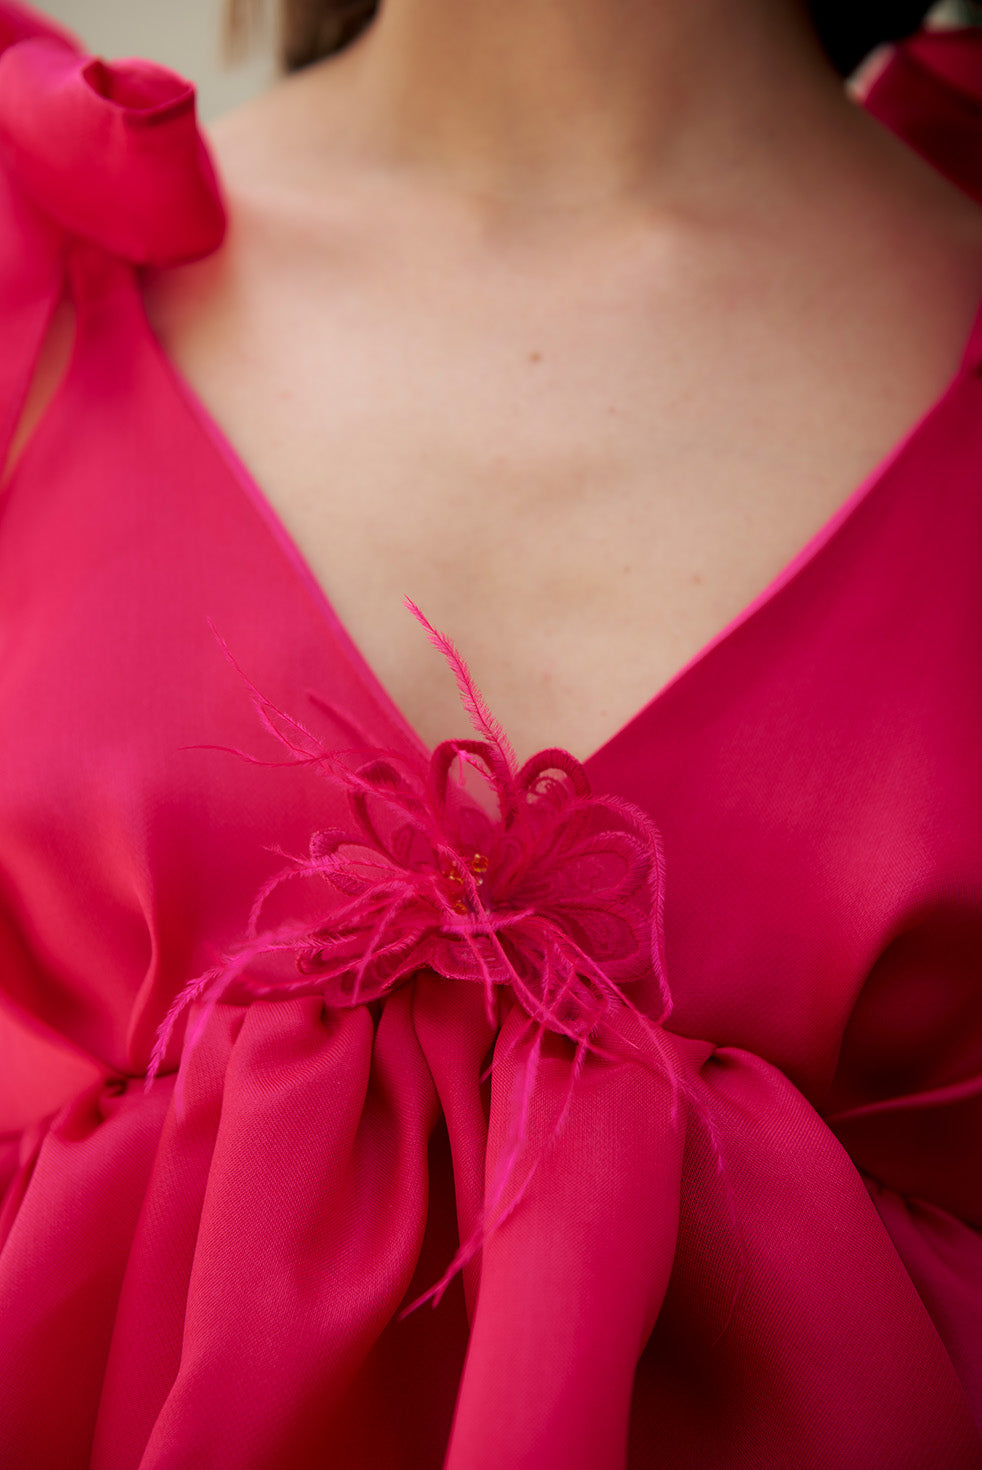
(755, 1240)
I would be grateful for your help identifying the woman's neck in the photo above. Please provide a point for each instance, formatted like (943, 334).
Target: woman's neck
(565, 103)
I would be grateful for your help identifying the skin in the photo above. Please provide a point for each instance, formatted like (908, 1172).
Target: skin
(572, 319)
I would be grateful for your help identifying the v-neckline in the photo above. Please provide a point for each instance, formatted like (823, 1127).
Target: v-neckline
(817, 544)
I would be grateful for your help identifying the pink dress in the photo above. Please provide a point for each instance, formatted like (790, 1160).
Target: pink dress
(740, 1230)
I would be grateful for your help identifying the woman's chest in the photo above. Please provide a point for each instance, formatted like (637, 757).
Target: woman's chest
(582, 489)
(813, 775)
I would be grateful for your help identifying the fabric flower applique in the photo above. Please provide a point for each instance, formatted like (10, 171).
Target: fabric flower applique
(531, 887)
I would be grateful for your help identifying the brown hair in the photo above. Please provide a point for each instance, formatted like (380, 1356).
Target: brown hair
(306, 29)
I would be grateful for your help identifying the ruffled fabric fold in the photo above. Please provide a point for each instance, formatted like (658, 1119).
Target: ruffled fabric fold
(643, 1304)
(109, 151)
(106, 154)
(931, 94)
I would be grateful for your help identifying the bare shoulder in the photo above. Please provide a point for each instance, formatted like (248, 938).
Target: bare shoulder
(292, 188)
(279, 145)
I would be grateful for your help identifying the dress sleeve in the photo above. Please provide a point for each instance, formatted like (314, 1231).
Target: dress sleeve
(98, 161)
(912, 1124)
(92, 153)
(930, 94)
(31, 247)
(907, 1106)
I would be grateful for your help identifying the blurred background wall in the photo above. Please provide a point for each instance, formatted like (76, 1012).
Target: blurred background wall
(186, 35)
(183, 34)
